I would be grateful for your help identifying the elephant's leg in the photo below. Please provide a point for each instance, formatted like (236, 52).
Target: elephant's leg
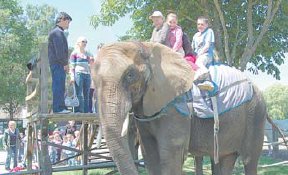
(198, 165)
(173, 139)
(150, 152)
(250, 167)
(215, 167)
(172, 159)
(227, 163)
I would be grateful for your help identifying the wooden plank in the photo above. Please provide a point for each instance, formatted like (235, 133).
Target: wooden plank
(93, 166)
(275, 137)
(81, 151)
(72, 116)
(85, 148)
(45, 163)
(29, 149)
(274, 164)
(43, 78)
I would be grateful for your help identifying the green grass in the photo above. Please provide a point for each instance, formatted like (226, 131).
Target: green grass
(189, 168)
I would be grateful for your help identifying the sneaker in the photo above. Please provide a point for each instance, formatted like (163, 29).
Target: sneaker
(202, 76)
(8, 169)
(64, 111)
(206, 85)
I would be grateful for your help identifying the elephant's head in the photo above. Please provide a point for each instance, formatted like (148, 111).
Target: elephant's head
(143, 77)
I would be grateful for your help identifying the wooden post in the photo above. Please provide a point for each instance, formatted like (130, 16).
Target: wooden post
(45, 163)
(85, 147)
(29, 147)
(36, 144)
(275, 139)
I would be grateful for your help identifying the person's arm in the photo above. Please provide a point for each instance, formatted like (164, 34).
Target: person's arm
(90, 58)
(164, 33)
(72, 62)
(152, 36)
(153, 39)
(5, 140)
(179, 41)
(193, 43)
(209, 41)
(18, 137)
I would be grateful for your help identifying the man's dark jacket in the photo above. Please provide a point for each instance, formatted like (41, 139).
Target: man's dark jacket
(57, 47)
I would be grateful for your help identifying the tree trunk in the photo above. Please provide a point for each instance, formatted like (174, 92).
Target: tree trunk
(11, 111)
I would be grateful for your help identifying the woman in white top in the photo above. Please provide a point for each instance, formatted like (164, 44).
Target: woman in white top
(80, 73)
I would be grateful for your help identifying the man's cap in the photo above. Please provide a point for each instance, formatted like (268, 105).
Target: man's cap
(156, 14)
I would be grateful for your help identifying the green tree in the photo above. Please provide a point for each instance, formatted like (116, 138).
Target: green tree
(276, 98)
(21, 33)
(246, 31)
(15, 46)
(40, 20)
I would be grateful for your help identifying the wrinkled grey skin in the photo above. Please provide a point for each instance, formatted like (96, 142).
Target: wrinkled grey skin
(127, 77)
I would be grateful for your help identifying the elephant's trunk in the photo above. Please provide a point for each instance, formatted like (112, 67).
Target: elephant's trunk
(113, 108)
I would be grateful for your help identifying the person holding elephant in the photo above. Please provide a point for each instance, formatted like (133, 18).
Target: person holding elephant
(80, 73)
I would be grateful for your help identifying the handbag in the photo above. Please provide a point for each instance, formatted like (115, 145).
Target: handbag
(72, 101)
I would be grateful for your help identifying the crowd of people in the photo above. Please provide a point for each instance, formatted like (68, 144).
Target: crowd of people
(15, 144)
(200, 51)
(69, 138)
(167, 32)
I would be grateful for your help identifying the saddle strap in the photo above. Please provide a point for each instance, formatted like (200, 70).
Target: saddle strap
(216, 129)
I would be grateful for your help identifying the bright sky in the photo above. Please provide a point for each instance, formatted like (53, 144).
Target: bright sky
(81, 10)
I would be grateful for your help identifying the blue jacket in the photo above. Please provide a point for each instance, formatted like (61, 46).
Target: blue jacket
(57, 47)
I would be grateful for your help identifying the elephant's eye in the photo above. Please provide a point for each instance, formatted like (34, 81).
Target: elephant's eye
(130, 76)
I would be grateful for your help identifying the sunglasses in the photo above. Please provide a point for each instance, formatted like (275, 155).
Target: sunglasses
(84, 41)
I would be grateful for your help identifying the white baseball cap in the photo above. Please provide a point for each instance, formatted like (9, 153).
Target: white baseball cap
(156, 14)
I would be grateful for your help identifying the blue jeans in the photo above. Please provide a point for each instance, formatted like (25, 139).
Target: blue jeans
(11, 154)
(91, 100)
(58, 87)
(82, 86)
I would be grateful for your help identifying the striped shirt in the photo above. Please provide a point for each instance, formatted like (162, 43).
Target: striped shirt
(79, 63)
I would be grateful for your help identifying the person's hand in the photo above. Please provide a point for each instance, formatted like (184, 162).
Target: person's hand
(72, 81)
(66, 68)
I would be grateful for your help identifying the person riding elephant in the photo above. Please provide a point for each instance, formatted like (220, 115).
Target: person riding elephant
(151, 80)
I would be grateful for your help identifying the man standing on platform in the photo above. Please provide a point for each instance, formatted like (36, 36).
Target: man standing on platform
(58, 60)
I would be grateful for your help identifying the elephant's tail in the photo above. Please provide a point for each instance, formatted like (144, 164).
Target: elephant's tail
(278, 129)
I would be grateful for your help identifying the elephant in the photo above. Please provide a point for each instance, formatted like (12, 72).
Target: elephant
(144, 77)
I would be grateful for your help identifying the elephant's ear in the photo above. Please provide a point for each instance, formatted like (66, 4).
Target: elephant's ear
(171, 77)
